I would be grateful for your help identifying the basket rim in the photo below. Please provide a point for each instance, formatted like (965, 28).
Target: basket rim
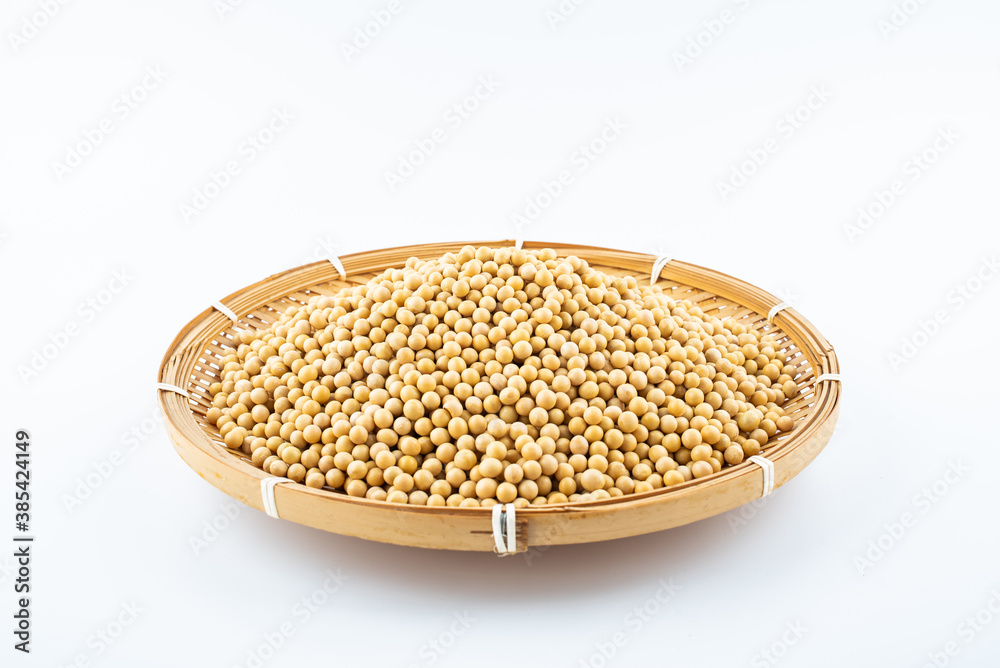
(180, 417)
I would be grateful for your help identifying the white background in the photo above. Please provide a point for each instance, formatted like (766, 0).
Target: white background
(742, 579)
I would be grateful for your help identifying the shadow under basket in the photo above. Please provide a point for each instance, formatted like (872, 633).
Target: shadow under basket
(192, 364)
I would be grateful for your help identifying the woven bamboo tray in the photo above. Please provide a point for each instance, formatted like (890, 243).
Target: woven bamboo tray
(192, 363)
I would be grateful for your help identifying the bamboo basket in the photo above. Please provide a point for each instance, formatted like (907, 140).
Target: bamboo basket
(192, 363)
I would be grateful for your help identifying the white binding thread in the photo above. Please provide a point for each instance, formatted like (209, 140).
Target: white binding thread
(511, 529)
(167, 387)
(226, 311)
(501, 547)
(267, 495)
(338, 265)
(776, 309)
(658, 266)
(768, 467)
(829, 376)
(518, 243)
(504, 529)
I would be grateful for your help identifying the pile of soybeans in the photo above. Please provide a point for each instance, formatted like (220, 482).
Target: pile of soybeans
(500, 375)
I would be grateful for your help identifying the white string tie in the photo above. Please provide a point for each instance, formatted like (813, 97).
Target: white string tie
(776, 309)
(504, 529)
(226, 311)
(768, 467)
(338, 265)
(267, 494)
(167, 387)
(658, 266)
